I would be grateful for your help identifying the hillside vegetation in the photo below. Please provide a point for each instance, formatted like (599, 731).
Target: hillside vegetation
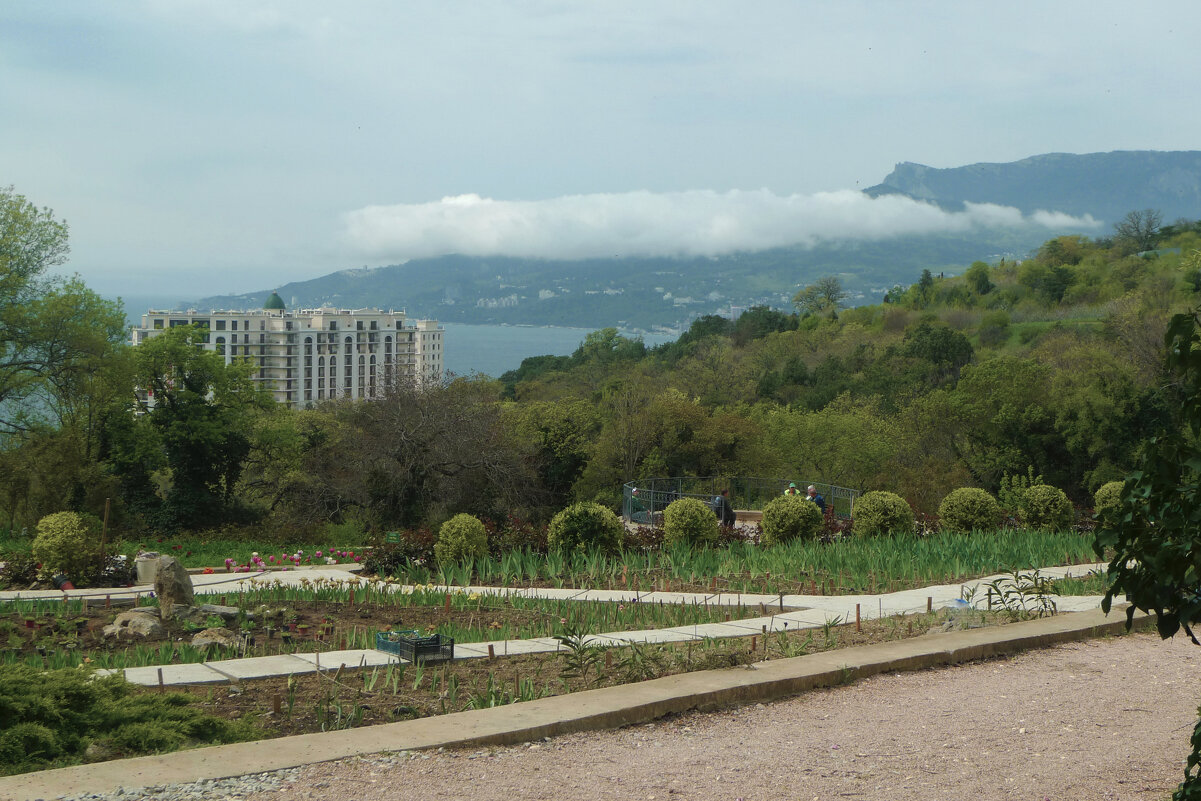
(1048, 367)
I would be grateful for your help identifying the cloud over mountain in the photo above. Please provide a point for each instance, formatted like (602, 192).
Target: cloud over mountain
(694, 223)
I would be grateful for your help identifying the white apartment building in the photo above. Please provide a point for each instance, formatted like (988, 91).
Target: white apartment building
(311, 355)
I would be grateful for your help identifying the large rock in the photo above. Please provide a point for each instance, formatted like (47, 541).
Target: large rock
(172, 586)
(222, 637)
(135, 624)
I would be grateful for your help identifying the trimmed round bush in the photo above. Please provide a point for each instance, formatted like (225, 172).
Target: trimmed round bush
(68, 543)
(969, 509)
(691, 521)
(879, 512)
(1107, 503)
(461, 537)
(585, 526)
(1046, 508)
(787, 517)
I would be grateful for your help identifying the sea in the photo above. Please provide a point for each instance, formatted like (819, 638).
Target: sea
(490, 350)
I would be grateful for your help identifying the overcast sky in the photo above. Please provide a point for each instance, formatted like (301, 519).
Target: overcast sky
(210, 147)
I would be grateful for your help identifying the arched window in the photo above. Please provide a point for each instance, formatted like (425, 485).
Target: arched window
(349, 346)
(219, 345)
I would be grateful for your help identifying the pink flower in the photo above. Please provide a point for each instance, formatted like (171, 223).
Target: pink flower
(318, 554)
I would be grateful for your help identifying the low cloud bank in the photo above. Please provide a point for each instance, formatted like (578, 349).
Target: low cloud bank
(699, 223)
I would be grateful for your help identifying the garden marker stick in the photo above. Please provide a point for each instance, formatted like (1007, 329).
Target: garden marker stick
(491, 651)
(929, 604)
(161, 687)
(858, 626)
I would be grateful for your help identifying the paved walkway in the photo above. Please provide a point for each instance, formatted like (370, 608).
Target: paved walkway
(781, 613)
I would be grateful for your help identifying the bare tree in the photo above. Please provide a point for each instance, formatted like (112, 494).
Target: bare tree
(1139, 230)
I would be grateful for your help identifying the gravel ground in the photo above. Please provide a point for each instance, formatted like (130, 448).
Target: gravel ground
(1104, 719)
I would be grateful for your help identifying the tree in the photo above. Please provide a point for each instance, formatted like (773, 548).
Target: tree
(823, 298)
(1156, 541)
(977, 278)
(201, 409)
(1139, 230)
(925, 286)
(55, 334)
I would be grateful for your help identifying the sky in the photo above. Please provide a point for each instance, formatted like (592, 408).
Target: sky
(200, 148)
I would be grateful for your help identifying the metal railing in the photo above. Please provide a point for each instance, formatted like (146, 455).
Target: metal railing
(643, 499)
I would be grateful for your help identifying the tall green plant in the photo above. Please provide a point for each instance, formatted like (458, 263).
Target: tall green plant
(1155, 541)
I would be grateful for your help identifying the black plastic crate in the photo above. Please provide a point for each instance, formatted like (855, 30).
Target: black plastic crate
(412, 647)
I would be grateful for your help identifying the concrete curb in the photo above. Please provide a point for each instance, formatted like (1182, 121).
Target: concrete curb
(590, 710)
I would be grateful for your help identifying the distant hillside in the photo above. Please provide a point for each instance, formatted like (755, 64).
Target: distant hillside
(1105, 185)
(632, 293)
(648, 293)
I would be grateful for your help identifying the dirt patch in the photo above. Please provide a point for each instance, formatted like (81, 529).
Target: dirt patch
(349, 697)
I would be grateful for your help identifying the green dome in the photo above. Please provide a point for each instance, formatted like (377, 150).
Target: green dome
(275, 302)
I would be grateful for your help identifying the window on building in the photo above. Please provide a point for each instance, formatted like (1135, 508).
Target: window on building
(158, 323)
(219, 345)
(358, 324)
(233, 325)
(333, 325)
(220, 325)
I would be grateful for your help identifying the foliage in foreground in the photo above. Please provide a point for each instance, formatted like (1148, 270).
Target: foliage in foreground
(1155, 537)
(52, 718)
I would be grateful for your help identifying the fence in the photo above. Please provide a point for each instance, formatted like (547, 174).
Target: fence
(643, 499)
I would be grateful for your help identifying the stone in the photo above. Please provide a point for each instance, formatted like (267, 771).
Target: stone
(172, 586)
(135, 624)
(222, 637)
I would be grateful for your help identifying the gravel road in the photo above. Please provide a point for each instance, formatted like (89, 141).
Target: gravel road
(1104, 719)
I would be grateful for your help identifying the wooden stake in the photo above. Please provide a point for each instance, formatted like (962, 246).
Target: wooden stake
(275, 704)
(491, 651)
(754, 643)
(352, 596)
(858, 626)
(162, 688)
(762, 608)
(108, 601)
(446, 603)
(929, 603)
(781, 602)
(609, 657)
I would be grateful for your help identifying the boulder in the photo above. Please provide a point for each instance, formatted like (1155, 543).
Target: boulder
(135, 624)
(222, 637)
(172, 586)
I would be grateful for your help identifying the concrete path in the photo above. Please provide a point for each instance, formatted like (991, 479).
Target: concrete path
(785, 612)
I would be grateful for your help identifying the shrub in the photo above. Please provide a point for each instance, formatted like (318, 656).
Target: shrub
(690, 521)
(67, 542)
(790, 516)
(461, 537)
(20, 569)
(879, 512)
(585, 526)
(416, 546)
(969, 509)
(1013, 490)
(1107, 503)
(1047, 508)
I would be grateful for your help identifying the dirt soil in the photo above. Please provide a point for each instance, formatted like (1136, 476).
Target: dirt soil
(1103, 719)
(314, 702)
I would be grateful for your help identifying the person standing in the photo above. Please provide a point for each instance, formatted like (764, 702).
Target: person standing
(792, 490)
(811, 494)
(723, 509)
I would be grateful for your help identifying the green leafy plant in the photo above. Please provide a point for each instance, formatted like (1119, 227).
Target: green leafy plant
(1046, 508)
(67, 542)
(581, 657)
(690, 521)
(881, 512)
(585, 527)
(790, 517)
(1107, 503)
(969, 509)
(1023, 594)
(460, 538)
(1012, 492)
